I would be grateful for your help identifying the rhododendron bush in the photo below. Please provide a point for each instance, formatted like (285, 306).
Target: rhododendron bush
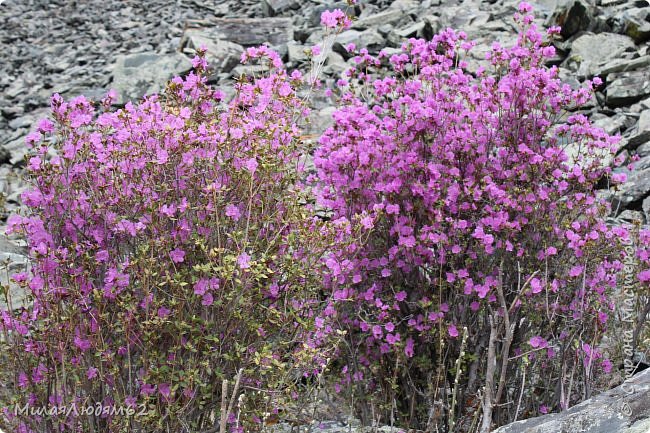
(483, 291)
(171, 251)
(463, 281)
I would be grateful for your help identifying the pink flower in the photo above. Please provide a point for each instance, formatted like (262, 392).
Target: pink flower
(525, 7)
(163, 312)
(644, 276)
(408, 348)
(92, 373)
(81, 343)
(392, 209)
(200, 287)
(147, 389)
(367, 222)
(236, 133)
(392, 339)
(607, 366)
(453, 332)
(244, 261)
(177, 255)
(130, 401)
(332, 19)
(23, 380)
(576, 271)
(538, 342)
(233, 212)
(536, 285)
(207, 299)
(164, 389)
(251, 165)
(101, 256)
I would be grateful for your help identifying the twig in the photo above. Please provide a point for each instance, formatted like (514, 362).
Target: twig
(223, 417)
(489, 378)
(452, 421)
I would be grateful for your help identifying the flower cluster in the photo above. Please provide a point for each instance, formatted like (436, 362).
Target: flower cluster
(479, 190)
(171, 249)
(334, 19)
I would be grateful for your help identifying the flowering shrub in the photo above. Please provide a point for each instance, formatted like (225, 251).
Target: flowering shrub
(171, 250)
(483, 290)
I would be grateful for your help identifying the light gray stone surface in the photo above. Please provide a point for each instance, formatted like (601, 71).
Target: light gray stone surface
(142, 74)
(624, 409)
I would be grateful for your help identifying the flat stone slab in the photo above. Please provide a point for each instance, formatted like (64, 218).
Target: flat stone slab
(142, 74)
(624, 409)
(247, 31)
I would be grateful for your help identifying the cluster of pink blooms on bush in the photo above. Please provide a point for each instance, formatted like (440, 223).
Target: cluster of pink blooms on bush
(467, 264)
(171, 249)
(481, 214)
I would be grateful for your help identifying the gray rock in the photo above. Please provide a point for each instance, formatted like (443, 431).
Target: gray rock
(370, 39)
(296, 53)
(249, 70)
(16, 88)
(247, 31)
(405, 5)
(624, 65)
(589, 52)
(465, 18)
(646, 208)
(607, 3)
(273, 7)
(611, 125)
(221, 55)
(576, 16)
(624, 409)
(642, 131)
(335, 427)
(17, 151)
(642, 164)
(141, 74)
(627, 87)
(636, 188)
(398, 36)
(386, 17)
(334, 64)
(630, 216)
(643, 150)
(321, 120)
(636, 24)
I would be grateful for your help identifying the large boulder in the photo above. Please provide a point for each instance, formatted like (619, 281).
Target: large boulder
(222, 55)
(627, 87)
(624, 409)
(574, 16)
(142, 74)
(642, 133)
(637, 25)
(589, 52)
